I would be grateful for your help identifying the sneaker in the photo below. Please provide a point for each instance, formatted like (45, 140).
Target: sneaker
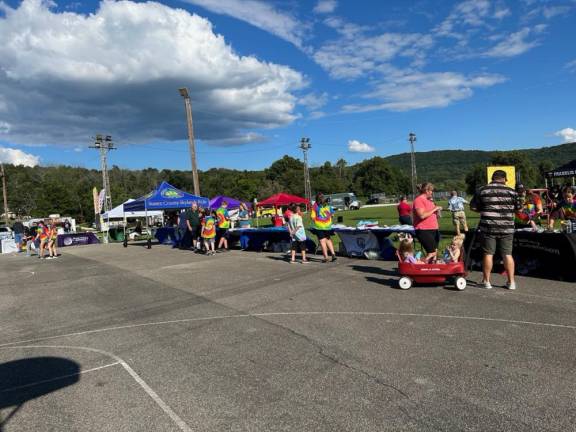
(334, 258)
(511, 285)
(486, 285)
(305, 262)
(292, 261)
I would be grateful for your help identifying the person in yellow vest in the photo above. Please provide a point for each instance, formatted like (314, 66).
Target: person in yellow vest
(321, 216)
(223, 225)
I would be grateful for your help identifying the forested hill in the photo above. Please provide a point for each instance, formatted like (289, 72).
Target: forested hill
(448, 168)
(42, 190)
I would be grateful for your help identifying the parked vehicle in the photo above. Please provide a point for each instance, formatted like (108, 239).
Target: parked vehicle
(344, 201)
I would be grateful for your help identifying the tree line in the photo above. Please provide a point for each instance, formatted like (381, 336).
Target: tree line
(43, 190)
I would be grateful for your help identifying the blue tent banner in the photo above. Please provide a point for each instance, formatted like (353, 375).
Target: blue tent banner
(166, 197)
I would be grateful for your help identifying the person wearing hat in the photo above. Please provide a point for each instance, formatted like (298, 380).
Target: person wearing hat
(497, 204)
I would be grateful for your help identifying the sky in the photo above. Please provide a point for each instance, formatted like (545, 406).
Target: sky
(355, 76)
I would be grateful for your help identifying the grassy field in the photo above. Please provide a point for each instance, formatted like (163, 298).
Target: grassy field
(389, 216)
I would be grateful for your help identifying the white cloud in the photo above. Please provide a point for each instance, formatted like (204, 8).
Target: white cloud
(325, 6)
(315, 115)
(404, 91)
(567, 134)
(469, 13)
(502, 12)
(259, 14)
(516, 43)
(4, 127)
(17, 157)
(355, 146)
(571, 66)
(351, 58)
(313, 101)
(66, 76)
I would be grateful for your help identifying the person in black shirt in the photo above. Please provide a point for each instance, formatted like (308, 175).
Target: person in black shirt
(193, 223)
(18, 229)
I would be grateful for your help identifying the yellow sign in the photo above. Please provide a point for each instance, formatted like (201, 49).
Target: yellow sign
(510, 174)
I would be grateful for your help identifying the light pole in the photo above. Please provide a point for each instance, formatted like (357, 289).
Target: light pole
(4, 194)
(104, 144)
(305, 146)
(184, 93)
(412, 139)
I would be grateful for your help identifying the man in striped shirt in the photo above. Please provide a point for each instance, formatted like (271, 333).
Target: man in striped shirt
(497, 204)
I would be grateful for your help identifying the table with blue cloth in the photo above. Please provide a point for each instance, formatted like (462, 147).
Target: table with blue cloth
(166, 235)
(361, 241)
(257, 238)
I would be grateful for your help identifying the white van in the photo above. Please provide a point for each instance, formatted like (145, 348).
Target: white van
(344, 201)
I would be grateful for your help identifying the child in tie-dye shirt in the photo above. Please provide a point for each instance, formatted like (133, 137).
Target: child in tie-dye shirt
(209, 232)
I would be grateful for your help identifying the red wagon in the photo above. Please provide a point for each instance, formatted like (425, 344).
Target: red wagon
(432, 274)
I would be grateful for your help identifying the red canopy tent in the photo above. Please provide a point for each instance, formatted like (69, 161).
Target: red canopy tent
(282, 199)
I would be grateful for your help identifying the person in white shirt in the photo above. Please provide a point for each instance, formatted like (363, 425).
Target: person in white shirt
(456, 207)
(297, 234)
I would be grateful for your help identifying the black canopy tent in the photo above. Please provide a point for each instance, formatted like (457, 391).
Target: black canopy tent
(566, 170)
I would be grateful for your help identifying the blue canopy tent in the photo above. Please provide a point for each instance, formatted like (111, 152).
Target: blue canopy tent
(164, 197)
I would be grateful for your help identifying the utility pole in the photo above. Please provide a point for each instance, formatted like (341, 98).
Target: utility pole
(412, 139)
(305, 146)
(104, 144)
(184, 93)
(4, 194)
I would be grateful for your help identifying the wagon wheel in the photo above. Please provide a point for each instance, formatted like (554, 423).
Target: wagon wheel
(460, 283)
(405, 283)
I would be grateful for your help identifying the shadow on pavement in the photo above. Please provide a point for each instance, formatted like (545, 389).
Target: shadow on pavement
(374, 270)
(26, 379)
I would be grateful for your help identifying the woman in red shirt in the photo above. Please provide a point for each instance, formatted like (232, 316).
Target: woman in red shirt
(404, 211)
(425, 214)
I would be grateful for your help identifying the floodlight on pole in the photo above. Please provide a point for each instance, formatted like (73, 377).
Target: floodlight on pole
(305, 146)
(412, 139)
(188, 105)
(104, 144)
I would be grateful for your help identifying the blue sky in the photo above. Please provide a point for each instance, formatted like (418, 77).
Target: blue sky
(354, 76)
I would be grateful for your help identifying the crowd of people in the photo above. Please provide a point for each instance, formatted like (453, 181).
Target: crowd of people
(39, 238)
(502, 209)
(206, 230)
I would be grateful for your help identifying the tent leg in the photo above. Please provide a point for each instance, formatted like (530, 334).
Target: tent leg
(149, 242)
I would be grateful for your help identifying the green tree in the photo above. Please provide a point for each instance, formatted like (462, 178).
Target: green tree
(475, 179)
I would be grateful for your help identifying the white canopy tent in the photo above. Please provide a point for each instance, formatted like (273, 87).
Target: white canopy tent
(118, 213)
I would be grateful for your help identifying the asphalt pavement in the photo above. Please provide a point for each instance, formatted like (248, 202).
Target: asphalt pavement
(107, 338)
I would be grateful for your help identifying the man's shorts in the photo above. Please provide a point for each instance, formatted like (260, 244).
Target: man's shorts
(493, 242)
(458, 217)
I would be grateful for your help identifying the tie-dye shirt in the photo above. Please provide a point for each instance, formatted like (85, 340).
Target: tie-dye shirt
(322, 217)
(223, 218)
(208, 227)
(568, 209)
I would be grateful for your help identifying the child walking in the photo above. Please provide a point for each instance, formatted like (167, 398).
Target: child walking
(297, 234)
(209, 232)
